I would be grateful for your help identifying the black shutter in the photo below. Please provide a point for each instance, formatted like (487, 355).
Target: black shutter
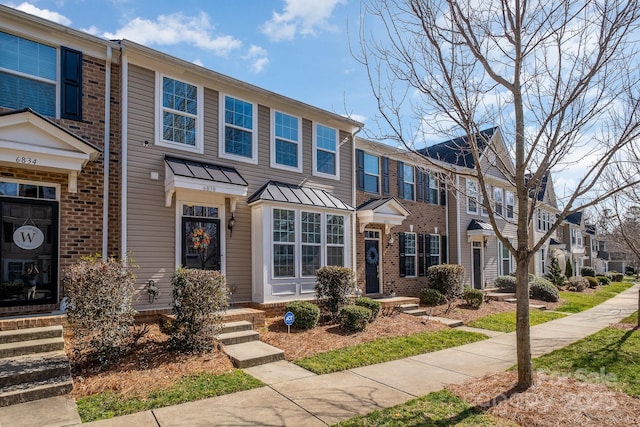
(427, 242)
(421, 254)
(443, 190)
(443, 249)
(385, 176)
(360, 167)
(402, 262)
(71, 88)
(427, 189)
(420, 177)
(400, 179)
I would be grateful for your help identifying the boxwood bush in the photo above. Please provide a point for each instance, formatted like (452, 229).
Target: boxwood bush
(617, 277)
(603, 280)
(587, 272)
(431, 297)
(506, 283)
(306, 314)
(354, 318)
(473, 297)
(577, 284)
(593, 282)
(333, 286)
(446, 278)
(373, 305)
(544, 290)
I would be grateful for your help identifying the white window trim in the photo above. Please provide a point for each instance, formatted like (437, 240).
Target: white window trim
(412, 182)
(254, 132)
(322, 245)
(501, 249)
(315, 153)
(513, 205)
(500, 191)
(298, 143)
(158, 140)
(474, 183)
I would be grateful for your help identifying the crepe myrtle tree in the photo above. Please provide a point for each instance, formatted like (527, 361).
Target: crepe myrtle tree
(560, 79)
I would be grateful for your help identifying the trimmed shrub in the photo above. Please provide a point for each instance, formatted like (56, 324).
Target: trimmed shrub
(373, 305)
(587, 272)
(354, 318)
(473, 297)
(544, 290)
(200, 299)
(603, 280)
(593, 282)
(333, 286)
(100, 308)
(617, 277)
(306, 314)
(447, 278)
(431, 297)
(577, 284)
(506, 283)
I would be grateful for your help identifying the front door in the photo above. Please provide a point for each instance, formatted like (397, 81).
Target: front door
(201, 243)
(372, 262)
(477, 265)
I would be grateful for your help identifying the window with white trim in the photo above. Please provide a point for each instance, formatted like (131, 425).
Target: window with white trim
(180, 114)
(284, 240)
(472, 196)
(325, 151)
(510, 203)
(576, 237)
(433, 189)
(285, 142)
(543, 261)
(409, 182)
(506, 259)
(311, 229)
(410, 254)
(335, 240)
(498, 200)
(434, 249)
(238, 130)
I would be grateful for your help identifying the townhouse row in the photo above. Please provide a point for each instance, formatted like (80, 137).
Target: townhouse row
(112, 148)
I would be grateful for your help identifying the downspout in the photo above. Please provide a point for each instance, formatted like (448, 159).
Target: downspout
(124, 67)
(107, 156)
(458, 237)
(354, 177)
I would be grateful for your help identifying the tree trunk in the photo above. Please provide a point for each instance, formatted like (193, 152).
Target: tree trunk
(523, 330)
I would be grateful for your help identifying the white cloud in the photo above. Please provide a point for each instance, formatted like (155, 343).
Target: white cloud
(300, 16)
(93, 30)
(42, 13)
(258, 58)
(198, 62)
(175, 29)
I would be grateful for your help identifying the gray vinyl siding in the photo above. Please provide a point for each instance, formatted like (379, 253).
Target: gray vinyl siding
(152, 227)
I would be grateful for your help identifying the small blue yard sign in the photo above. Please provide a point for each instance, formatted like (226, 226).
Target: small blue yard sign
(289, 318)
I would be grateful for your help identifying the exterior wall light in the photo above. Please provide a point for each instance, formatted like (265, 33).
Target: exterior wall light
(231, 224)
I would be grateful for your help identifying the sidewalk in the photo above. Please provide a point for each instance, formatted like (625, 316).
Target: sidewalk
(294, 396)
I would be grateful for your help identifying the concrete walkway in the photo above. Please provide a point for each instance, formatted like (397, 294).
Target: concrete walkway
(294, 396)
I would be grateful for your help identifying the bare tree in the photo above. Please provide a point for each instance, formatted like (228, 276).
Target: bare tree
(559, 78)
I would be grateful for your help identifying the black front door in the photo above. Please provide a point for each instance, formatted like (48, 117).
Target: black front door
(201, 243)
(372, 266)
(477, 265)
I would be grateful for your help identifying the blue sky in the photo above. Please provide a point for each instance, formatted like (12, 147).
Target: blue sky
(297, 48)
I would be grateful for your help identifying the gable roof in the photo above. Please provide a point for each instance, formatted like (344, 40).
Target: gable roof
(575, 218)
(542, 187)
(457, 151)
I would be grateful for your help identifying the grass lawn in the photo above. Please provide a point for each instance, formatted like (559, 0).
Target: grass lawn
(576, 302)
(107, 405)
(611, 355)
(506, 322)
(440, 408)
(631, 319)
(386, 349)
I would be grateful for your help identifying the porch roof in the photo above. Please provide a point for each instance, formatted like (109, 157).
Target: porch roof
(387, 211)
(478, 228)
(274, 191)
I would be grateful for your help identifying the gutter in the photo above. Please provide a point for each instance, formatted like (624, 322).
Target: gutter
(106, 156)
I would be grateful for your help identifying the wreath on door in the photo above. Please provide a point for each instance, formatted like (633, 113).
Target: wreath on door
(372, 255)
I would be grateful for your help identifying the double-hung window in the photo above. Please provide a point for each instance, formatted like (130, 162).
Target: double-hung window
(506, 260)
(409, 182)
(543, 261)
(325, 152)
(29, 78)
(510, 203)
(498, 201)
(433, 188)
(311, 240)
(434, 249)
(238, 130)
(371, 173)
(335, 240)
(472, 196)
(284, 240)
(410, 252)
(180, 114)
(286, 149)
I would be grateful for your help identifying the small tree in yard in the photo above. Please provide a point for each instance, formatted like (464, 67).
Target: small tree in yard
(333, 287)
(554, 275)
(100, 308)
(200, 298)
(447, 279)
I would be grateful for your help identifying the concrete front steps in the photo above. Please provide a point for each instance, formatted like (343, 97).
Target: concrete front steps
(243, 346)
(412, 309)
(33, 365)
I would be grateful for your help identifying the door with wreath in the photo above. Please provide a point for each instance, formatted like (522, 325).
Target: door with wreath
(372, 266)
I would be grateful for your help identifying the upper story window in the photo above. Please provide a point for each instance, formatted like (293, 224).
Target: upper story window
(29, 77)
(510, 203)
(180, 115)
(286, 151)
(543, 221)
(371, 173)
(433, 188)
(498, 201)
(325, 151)
(408, 182)
(472, 196)
(576, 237)
(238, 133)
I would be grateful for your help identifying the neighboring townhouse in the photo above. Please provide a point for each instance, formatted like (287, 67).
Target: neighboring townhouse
(221, 174)
(473, 241)
(59, 121)
(574, 240)
(593, 245)
(401, 226)
(544, 216)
